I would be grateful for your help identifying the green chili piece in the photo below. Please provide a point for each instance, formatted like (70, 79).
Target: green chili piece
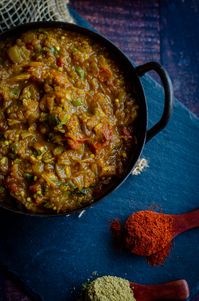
(18, 54)
(2, 188)
(65, 119)
(53, 120)
(13, 149)
(58, 150)
(15, 91)
(39, 152)
(83, 191)
(80, 72)
(53, 50)
(56, 182)
(28, 176)
(77, 102)
(74, 49)
(15, 54)
(70, 184)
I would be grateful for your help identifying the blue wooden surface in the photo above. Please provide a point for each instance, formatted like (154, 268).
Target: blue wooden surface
(55, 255)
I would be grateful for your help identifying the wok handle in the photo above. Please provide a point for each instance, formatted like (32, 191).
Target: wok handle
(168, 95)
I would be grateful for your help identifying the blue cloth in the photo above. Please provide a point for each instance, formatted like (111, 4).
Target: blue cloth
(54, 256)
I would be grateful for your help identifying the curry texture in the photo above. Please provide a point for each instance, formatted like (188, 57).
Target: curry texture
(66, 120)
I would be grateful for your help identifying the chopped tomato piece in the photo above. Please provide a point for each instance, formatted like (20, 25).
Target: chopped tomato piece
(59, 62)
(106, 70)
(74, 144)
(13, 187)
(29, 46)
(96, 146)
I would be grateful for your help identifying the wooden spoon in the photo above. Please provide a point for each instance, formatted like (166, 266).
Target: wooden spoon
(180, 223)
(174, 291)
(185, 221)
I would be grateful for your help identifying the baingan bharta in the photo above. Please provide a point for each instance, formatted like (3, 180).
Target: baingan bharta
(66, 119)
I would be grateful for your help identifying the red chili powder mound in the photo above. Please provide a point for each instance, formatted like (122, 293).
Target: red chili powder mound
(160, 257)
(146, 233)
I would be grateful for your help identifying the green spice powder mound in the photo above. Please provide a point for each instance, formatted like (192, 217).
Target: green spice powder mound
(109, 288)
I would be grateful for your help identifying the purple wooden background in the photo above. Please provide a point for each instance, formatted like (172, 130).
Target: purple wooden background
(165, 31)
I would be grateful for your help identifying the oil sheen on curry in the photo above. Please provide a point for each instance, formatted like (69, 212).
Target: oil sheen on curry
(66, 120)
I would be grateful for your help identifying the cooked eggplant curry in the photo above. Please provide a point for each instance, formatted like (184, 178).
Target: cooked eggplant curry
(67, 120)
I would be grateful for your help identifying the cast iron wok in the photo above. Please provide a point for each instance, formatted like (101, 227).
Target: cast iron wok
(132, 75)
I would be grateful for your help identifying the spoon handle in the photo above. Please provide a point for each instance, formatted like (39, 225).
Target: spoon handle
(176, 291)
(186, 221)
